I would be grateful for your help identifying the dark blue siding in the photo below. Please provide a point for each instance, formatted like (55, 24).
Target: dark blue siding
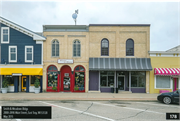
(20, 40)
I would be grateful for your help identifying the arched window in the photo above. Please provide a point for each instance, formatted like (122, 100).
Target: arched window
(76, 48)
(79, 76)
(104, 47)
(129, 47)
(52, 76)
(55, 48)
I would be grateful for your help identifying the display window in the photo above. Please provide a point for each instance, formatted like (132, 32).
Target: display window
(79, 75)
(10, 80)
(107, 78)
(52, 78)
(138, 79)
(33, 78)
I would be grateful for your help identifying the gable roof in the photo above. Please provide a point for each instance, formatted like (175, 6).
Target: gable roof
(177, 48)
(26, 31)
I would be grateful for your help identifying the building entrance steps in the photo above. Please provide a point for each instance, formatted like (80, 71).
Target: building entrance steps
(124, 92)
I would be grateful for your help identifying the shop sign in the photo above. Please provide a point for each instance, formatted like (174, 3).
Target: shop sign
(65, 61)
(66, 74)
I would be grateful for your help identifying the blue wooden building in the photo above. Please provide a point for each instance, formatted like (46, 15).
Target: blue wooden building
(21, 56)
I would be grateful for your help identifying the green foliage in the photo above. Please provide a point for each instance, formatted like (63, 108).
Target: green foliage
(36, 83)
(5, 82)
(54, 88)
(76, 88)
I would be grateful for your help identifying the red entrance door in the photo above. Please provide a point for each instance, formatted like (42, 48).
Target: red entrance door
(66, 80)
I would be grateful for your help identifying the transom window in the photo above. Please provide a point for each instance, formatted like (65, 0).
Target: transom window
(12, 53)
(55, 48)
(129, 47)
(28, 53)
(104, 47)
(5, 35)
(76, 48)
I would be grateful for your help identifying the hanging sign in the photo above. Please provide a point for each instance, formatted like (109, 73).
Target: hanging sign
(65, 61)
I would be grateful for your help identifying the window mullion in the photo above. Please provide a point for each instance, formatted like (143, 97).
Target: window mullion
(55, 48)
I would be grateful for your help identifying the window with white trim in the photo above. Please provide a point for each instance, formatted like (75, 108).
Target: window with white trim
(12, 53)
(163, 82)
(5, 35)
(28, 53)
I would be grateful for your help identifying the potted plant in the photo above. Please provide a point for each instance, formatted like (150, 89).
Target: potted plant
(5, 85)
(54, 88)
(36, 85)
(76, 88)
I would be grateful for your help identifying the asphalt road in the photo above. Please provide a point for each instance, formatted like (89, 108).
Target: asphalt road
(100, 110)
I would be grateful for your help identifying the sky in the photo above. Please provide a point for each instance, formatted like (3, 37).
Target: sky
(163, 17)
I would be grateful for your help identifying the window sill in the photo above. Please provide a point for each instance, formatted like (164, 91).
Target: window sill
(130, 56)
(104, 55)
(28, 61)
(54, 56)
(137, 87)
(162, 88)
(12, 61)
(4, 42)
(77, 57)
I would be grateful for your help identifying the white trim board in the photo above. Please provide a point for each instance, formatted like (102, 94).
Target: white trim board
(21, 29)
(21, 66)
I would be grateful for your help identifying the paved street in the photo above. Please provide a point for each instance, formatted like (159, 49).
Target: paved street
(100, 110)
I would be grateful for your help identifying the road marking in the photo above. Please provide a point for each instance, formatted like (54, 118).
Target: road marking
(82, 112)
(159, 104)
(129, 108)
(15, 119)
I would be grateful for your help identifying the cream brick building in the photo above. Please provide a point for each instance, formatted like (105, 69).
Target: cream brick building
(97, 57)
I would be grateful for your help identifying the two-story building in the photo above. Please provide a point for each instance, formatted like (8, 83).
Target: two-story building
(66, 58)
(98, 57)
(118, 57)
(21, 58)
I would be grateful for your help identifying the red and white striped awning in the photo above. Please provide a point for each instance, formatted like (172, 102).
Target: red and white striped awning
(167, 71)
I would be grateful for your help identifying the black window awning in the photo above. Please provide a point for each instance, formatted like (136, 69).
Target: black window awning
(120, 64)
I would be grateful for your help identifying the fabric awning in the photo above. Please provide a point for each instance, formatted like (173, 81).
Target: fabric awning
(23, 71)
(167, 71)
(120, 64)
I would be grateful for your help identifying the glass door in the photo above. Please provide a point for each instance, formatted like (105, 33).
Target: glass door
(23, 83)
(121, 83)
(66, 83)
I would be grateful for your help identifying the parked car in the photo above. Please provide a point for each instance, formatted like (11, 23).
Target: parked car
(170, 97)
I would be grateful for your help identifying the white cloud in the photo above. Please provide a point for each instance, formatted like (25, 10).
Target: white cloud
(163, 16)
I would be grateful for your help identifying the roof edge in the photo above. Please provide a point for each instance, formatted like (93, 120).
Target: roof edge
(19, 28)
(119, 24)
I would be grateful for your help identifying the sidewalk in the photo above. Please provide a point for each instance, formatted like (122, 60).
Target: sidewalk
(47, 96)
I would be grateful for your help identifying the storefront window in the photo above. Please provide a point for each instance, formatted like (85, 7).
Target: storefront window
(79, 79)
(33, 78)
(162, 82)
(107, 78)
(10, 80)
(52, 76)
(138, 79)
